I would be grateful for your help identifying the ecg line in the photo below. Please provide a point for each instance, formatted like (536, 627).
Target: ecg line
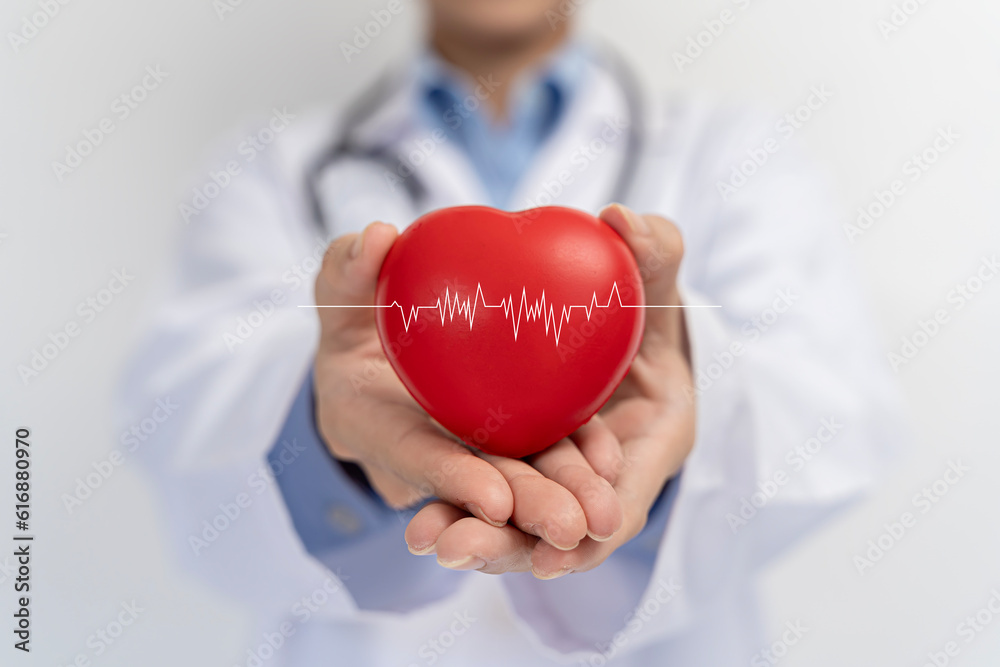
(466, 308)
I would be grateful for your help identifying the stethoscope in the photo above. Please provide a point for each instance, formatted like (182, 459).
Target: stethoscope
(344, 146)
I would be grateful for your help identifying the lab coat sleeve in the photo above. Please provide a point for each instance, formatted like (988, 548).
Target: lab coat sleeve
(796, 413)
(228, 345)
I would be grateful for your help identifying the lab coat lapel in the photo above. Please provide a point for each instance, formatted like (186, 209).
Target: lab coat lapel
(579, 164)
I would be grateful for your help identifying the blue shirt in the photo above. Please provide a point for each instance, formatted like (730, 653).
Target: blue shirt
(336, 514)
(500, 150)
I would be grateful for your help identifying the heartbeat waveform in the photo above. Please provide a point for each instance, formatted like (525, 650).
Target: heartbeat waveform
(531, 313)
(541, 310)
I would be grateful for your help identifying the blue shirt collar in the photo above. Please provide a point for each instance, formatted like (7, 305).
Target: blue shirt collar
(499, 151)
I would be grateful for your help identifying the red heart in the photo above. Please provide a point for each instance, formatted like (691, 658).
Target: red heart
(470, 304)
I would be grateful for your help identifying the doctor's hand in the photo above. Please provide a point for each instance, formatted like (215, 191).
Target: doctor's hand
(374, 422)
(637, 442)
(404, 454)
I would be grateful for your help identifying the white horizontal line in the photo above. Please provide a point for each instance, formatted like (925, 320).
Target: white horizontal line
(394, 306)
(541, 310)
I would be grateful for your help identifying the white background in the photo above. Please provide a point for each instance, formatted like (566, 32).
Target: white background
(59, 243)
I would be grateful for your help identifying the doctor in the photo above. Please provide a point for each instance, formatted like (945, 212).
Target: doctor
(298, 470)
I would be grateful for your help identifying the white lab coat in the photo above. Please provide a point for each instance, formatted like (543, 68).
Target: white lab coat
(774, 242)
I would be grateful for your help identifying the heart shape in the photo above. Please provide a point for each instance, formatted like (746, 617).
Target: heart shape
(510, 329)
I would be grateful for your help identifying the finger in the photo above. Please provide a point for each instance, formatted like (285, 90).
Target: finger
(347, 278)
(470, 544)
(427, 526)
(542, 506)
(662, 457)
(549, 563)
(395, 436)
(658, 249)
(564, 464)
(420, 454)
(637, 489)
(391, 488)
(600, 447)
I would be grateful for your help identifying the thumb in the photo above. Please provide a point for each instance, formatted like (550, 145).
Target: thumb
(347, 278)
(658, 248)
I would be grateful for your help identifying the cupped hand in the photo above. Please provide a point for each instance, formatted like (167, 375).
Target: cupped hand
(614, 467)
(364, 413)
